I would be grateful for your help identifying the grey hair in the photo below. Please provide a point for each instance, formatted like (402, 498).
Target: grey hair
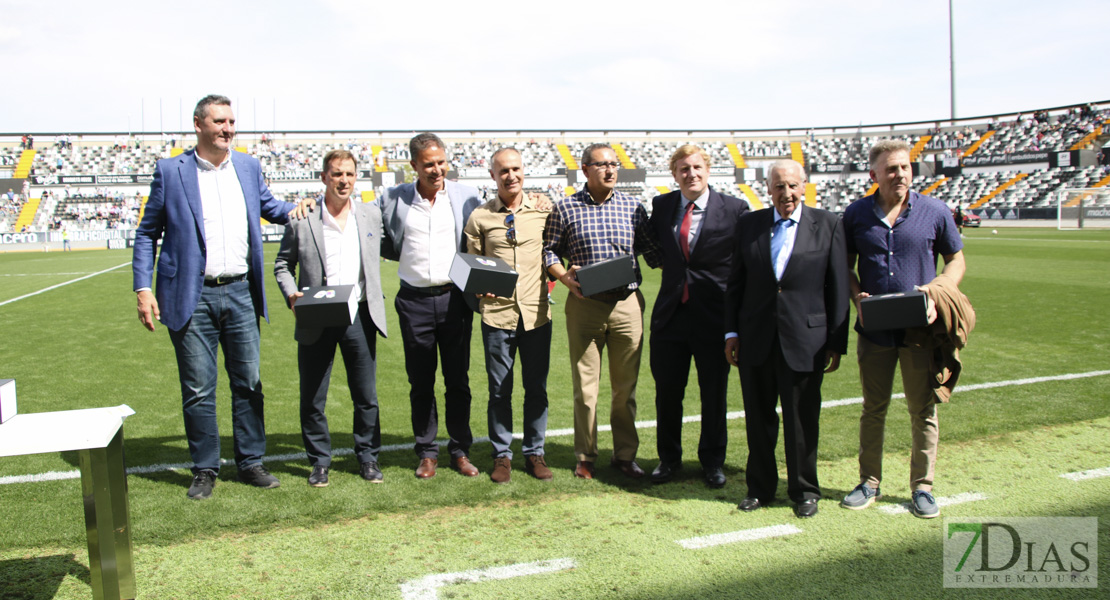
(882, 147)
(493, 157)
(424, 141)
(201, 110)
(787, 164)
(590, 150)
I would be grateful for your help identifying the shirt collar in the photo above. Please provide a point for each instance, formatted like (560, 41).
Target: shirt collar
(204, 165)
(525, 202)
(330, 220)
(700, 202)
(795, 216)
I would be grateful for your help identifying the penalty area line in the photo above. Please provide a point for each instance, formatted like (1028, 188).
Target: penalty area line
(1091, 474)
(551, 433)
(427, 588)
(745, 535)
(64, 283)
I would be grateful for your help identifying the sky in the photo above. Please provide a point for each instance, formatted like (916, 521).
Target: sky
(367, 65)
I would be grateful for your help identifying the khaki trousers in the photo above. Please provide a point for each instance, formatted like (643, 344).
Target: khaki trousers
(876, 374)
(591, 326)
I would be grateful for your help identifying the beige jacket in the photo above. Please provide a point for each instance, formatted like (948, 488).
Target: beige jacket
(946, 336)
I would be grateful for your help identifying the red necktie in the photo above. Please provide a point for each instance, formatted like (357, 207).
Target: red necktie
(684, 243)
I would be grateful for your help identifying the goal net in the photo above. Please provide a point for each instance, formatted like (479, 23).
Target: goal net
(1083, 208)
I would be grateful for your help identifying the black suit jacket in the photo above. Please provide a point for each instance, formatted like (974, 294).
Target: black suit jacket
(708, 267)
(808, 309)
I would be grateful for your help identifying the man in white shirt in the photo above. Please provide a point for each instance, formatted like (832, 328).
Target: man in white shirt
(344, 239)
(423, 226)
(206, 205)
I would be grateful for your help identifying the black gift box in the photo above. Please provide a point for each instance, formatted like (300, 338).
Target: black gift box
(607, 275)
(327, 306)
(894, 311)
(476, 274)
(7, 400)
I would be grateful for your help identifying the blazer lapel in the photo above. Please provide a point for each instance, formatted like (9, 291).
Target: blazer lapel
(316, 226)
(187, 169)
(713, 207)
(807, 232)
(763, 245)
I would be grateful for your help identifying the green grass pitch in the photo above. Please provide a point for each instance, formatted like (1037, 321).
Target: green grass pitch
(1043, 303)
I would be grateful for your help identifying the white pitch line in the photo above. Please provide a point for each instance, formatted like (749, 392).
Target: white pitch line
(54, 287)
(904, 507)
(746, 535)
(551, 433)
(1091, 474)
(427, 588)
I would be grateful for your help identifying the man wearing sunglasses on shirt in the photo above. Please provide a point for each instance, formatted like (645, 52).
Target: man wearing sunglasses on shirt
(510, 227)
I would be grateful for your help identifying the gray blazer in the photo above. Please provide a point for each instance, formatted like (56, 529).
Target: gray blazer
(395, 208)
(304, 243)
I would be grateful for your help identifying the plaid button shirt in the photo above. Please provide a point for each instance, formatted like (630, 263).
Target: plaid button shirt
(584, 232)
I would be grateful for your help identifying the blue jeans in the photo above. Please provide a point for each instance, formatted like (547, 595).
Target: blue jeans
(501, 346)
(224, 316)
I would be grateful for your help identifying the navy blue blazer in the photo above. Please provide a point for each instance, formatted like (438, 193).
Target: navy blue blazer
(173, 214)
(807, 309)
(708, 268)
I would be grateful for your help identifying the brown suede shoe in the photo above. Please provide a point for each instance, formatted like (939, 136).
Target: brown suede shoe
(536, 466)
(628, 467)
(584, 470)
(463, 465)
(502, 470)
(427, 468)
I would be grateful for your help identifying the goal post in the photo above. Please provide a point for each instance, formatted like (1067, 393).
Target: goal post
(1083, 208)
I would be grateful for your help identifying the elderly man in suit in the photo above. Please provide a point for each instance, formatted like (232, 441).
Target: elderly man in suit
(786, 313)
(423, 226)
(339, 247)
(694, 227)
(205, 206)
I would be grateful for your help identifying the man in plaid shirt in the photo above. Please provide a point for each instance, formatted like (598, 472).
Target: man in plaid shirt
(593, 225)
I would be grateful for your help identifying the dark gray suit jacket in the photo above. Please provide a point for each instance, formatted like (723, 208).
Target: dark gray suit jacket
(303, 244)
(808, 309)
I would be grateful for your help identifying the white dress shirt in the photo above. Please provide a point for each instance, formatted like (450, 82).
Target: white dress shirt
(429, 244)
(225, 218)
(342, 253)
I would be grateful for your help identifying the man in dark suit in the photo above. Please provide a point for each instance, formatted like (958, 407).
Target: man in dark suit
(338, 247)
(786, 311)
(423, 226)
(205, 206)
(694, 228)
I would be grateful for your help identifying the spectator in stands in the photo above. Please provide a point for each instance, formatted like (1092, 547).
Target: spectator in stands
(896, 235)
(596, 224)
(339, 247)
(423, 224)
(510, 227)
(210, 287)
(695, 230)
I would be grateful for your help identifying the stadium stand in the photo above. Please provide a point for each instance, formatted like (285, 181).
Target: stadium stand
(998, 162)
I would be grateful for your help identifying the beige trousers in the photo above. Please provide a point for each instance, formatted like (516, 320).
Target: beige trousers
(876, 374)
(591, 326)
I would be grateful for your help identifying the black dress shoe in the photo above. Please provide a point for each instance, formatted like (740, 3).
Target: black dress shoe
(806, 508)
(715, 477)
(665, 471)
(750, 504)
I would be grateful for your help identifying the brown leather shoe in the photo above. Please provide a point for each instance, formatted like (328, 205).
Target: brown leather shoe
(536, 466)
(463, 465)
(427, 468)
(584, 470)
(628, 467)
(502, 470)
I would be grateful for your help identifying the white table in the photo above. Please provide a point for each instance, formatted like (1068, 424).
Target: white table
(97, 436)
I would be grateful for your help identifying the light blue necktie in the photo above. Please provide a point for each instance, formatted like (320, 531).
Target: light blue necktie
(778, 238)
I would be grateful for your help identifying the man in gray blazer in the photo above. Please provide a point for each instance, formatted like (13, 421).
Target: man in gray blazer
(423, 225)
(338, 245)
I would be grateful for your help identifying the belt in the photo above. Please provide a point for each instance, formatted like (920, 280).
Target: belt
(224, 279)
(435, 290)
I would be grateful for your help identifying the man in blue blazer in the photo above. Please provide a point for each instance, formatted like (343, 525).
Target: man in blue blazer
(694, 227)
(786, 311)
(205, 207)
(423, 226)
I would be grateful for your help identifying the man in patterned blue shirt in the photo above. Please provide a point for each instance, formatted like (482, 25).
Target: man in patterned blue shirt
(897, 234)
(593, 225)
